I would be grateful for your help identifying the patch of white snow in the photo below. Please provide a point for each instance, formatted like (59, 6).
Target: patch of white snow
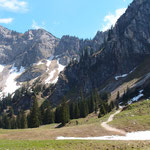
(49, 62)
(51, 75)
(121, 76)
(136, 98)
(135, 136)
(11, 85)
(39, 63)
(1, 68)
(124, 75)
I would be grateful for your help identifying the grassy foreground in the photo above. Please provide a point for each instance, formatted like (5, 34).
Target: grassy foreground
(73, 145)
(135, 118)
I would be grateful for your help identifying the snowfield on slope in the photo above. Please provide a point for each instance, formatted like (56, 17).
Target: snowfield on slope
(136, 98)
(11, 85)
(52, 74)
(1, 68)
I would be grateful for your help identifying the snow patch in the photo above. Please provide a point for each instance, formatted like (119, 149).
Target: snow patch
(121, 76)
(136, 98)
(11, 85)
(1, 68)
(124, 75)
(52, 74)
(135, 136)
(49, 62)
(39, 63)
(60, 68)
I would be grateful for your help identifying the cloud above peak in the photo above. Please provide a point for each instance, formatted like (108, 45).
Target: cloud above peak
(111, 19)
(36, 26)
(14, 5)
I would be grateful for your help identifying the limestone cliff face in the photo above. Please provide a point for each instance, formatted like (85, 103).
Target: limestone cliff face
(40, 54)
(25, 49)
(128, 44)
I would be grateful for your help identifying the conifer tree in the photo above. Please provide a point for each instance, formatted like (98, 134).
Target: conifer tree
(58, 115)
(24, 123)
(13, 123)
(77, 111)
(50, 117)
(92, 103)
(65, 115)
(18, 120)
(11, 112)
(96, 100)
(6, 122)
(34, 115)
(72, 110)
(42, 112)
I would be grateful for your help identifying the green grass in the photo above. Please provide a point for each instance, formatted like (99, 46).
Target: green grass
(73, 145)
(90, 119)
(135, 118)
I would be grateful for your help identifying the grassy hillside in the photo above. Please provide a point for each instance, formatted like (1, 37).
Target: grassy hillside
(84, 127)
(73, 145)
(135, 117)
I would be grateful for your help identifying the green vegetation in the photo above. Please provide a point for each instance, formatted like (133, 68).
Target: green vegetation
(73, 145)
(134, 117)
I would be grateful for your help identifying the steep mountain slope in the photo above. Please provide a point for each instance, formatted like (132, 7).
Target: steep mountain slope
(38, 56)
(127, 46)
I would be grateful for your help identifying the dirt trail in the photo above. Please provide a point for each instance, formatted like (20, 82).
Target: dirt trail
(109, 128)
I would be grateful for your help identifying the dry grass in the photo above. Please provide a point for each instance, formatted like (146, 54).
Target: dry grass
(87, 127)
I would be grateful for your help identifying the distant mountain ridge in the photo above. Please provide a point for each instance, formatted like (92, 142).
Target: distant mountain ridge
(32, 51)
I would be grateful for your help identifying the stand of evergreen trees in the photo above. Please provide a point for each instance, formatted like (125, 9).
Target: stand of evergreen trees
(62, 114)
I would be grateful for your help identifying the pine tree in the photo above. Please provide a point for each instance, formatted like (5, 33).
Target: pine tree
(6, 122)
(118, 95)
(72, 110)
(112, 105)
(13, 123)
(102, 111)
(24, 123)
(34, 115)
(117, 99)
(18, 120)
(65, 113)
(92, 103)
(58, 115)
(96, 100)
(83, 109)
(77, 111)
(50, 116)
(42, 112)
(1, 122)
(11, 112)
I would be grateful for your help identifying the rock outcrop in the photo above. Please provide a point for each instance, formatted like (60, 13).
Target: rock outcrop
(127, 45)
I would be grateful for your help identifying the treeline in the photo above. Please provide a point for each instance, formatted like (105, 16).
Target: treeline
(62, 114)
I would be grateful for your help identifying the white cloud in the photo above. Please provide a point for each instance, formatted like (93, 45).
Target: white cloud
(14, 5)
(36, 26)
(6, 20)
(111, 19)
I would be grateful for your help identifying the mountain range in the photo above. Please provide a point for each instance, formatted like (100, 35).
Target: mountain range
(112, 61)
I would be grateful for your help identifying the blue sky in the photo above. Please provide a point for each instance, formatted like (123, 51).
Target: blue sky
(82, 18)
